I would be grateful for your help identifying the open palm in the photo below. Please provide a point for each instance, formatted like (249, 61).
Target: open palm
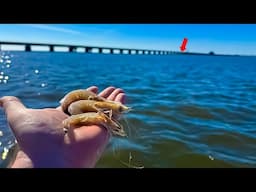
(42, 141)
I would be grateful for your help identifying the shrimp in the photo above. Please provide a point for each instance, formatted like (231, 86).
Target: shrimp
(92, 118)
(83, 106)
(76, 95)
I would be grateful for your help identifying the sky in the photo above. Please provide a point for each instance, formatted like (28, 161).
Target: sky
(220, 38)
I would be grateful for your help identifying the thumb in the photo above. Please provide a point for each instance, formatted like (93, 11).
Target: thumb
(12, 107)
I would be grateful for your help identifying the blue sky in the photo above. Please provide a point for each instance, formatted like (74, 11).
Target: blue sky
(220, 38)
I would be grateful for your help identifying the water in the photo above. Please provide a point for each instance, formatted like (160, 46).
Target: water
(189, 111)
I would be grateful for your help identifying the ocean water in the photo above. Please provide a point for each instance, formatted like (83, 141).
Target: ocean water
(189, 111)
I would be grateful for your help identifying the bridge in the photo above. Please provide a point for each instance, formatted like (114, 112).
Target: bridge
(91, 49)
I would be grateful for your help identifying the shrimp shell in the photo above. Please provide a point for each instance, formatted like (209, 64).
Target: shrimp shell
(80, 94)
(84, 106)
(92, 118)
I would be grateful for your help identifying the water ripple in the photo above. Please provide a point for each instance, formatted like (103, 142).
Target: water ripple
(188, 111)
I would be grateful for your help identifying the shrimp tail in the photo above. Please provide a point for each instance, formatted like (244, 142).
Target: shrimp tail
(116, 127)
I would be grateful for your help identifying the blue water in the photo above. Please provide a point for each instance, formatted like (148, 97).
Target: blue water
(189, 111)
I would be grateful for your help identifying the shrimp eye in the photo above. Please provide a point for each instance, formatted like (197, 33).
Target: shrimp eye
(120, 109)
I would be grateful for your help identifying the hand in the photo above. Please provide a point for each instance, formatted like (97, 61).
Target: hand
(42, 141)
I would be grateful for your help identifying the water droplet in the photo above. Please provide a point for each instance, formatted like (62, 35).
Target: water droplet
(1, 60)
(2, 73)
(1, 133)
(8, 61)
(8, 66)
(5, 81)
(27, 81)
(43, 85)
(36, 71)
(38, 93)
(0, 81)
(6, 77)
(6, 57)
(0, 143)
(1, 76)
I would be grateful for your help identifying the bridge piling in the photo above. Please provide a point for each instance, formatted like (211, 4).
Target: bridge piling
(51, 48)
(27, 47)
(72, 48)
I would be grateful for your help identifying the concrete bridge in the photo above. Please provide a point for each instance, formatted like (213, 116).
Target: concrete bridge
(93, 49)
(87, 49)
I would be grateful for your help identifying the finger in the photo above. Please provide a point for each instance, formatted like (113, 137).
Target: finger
(93, 89)
(113, 95)
(11, 102)
(106, 92)
(12, 105)
(121, 97)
